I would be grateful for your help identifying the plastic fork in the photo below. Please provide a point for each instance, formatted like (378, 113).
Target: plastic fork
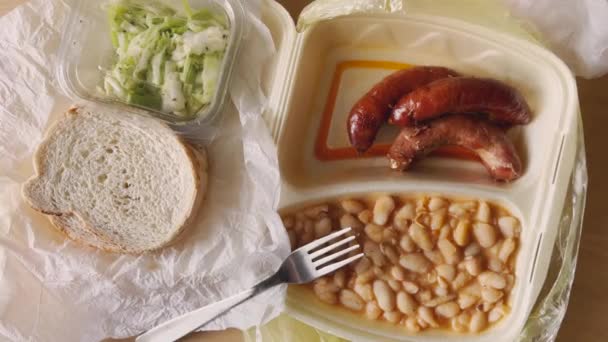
(303, 265)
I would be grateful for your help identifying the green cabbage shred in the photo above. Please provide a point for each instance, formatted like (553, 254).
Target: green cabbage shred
(165, 60)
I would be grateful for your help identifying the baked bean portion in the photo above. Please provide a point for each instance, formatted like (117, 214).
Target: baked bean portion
(430, 262)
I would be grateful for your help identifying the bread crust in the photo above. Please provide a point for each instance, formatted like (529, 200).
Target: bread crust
(65, 225)
(200, 160)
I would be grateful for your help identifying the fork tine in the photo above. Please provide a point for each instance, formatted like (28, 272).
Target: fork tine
(331, 247)
(323, 240)
(334, 256)
(330, 268)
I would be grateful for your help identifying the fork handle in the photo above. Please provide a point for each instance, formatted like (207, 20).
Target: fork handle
(181, 326)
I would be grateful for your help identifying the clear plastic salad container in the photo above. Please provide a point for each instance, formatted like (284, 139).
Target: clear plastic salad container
(146, 56)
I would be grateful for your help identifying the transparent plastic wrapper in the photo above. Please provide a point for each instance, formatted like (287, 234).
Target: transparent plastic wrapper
(473, 11)
(576, 30)
(550, 306)
(328, 9)
(52, 289)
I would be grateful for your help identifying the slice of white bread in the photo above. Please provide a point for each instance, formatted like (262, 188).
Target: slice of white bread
(118, 182)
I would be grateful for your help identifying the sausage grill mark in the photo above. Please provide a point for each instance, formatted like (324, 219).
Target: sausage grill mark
(488, 141)
(372, 110)
(459, 95)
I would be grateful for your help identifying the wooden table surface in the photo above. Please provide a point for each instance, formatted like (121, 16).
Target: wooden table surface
(587, 313)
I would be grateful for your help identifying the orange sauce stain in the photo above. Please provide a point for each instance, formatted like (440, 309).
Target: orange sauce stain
(325, 153)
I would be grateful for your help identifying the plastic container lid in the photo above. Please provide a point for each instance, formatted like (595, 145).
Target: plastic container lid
(86, 50)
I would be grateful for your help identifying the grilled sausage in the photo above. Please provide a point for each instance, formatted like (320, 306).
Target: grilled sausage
(372, 110)
(488, 141)
(503, 103)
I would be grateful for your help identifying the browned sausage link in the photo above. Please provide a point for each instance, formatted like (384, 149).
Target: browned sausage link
(373, 109)
(503, 103)
(489, 142)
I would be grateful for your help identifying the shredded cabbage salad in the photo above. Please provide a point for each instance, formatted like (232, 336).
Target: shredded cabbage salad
(165, 61)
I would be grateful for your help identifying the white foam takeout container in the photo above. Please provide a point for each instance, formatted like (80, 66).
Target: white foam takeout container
(298, 87)
(86, 49)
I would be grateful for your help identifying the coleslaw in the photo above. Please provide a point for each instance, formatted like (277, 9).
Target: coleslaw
(165, 60)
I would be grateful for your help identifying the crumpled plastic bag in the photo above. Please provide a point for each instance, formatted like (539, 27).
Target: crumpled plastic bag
(577, 31)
